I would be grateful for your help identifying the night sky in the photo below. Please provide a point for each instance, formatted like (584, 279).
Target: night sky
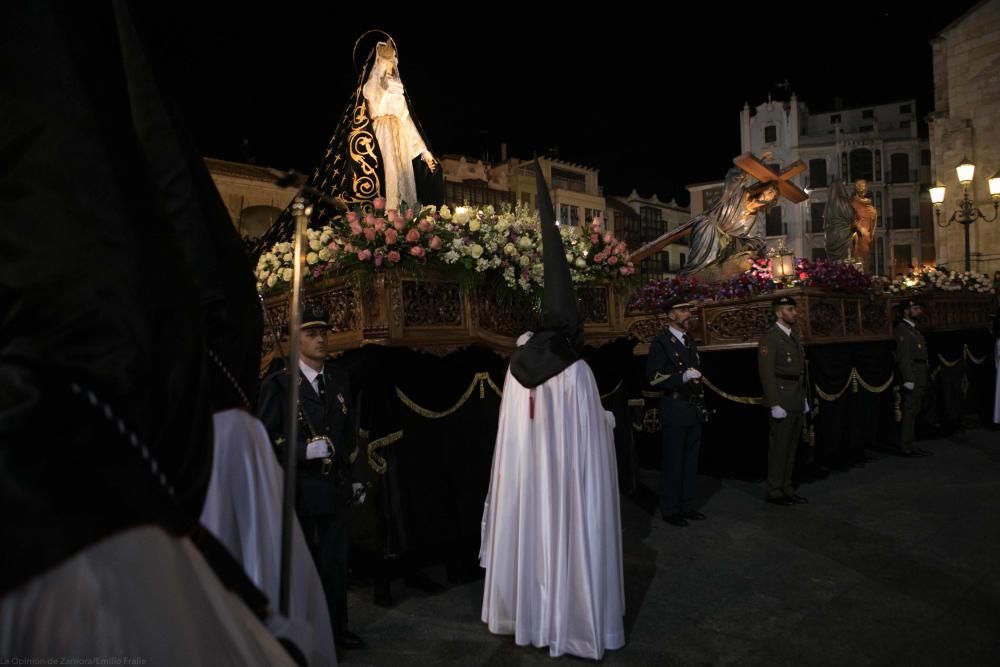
(651, 102)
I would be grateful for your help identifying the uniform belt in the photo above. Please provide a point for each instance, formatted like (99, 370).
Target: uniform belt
(785, 376)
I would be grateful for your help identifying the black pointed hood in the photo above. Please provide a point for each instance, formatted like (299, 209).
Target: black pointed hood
(558, 344)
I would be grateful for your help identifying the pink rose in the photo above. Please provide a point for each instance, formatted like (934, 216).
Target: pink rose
(355, 227)
(600, 257)
(803, 275)
(370, 234)
(391, 236)
(425, 225)
(379, 224)
(609, 238)
(410, 214)
(594, 238)
(365, 255)
(391, 215)
(626, 270)
(417, 251)
(613, 260)
(378, 259)
(413, 236)
(332, 248)
(393, 256)
(349, 248)
(621, 248)
(379, 203)
(369, 220)
(435, 243)
(399, 224)
(352, 216)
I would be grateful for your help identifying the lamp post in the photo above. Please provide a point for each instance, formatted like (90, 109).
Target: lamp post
(967, 212)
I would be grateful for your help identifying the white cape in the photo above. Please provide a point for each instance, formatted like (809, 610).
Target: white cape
(551, 540)
(996, 395)
(141, 594)
(243, 509)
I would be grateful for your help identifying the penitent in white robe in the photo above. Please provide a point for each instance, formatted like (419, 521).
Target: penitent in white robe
(141, 595)
(551, 534)
(243, 509)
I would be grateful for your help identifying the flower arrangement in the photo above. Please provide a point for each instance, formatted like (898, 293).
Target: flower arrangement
(758, 279)
(504, 246)
(655, 295)
(932, 277)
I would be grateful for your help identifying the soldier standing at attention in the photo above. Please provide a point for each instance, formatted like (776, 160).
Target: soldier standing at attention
(911, 366)
(781, 365)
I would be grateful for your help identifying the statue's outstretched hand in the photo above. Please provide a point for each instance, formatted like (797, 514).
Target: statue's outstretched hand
(429, 160)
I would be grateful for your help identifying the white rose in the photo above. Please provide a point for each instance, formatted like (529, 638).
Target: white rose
(476, 250)
(262, 275)
(312, 258)
(324, 255)
(287, 257)
(509, 249)
(524, 242)
(461, 216)
(474, 225)
(315, 244)
(580, 262)
(325, 238)
(445, 213)
(272, 280)
(286, 275)
(569, 257)
(525, 260)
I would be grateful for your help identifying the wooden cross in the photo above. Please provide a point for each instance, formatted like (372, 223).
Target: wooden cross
(752, 165)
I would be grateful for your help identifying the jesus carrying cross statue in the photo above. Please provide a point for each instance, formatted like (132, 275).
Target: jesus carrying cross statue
(730, 234)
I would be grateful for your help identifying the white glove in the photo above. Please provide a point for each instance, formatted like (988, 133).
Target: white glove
(609, 418)
(691, 374)
(908, 386)
(359, 492)
(317, 449)
(807, 408)
(778, 412)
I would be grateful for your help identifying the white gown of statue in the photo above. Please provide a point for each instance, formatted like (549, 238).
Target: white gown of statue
(551, 533)
(243, 509)
(399, 142)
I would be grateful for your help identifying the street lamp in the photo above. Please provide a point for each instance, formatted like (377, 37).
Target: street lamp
(967, 212)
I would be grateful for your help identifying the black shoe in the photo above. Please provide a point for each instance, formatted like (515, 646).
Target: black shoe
(346, 640)
(797, 499)
(382, 596)
(780, 500)
(695, 516)
(676, 520)
(422, 582)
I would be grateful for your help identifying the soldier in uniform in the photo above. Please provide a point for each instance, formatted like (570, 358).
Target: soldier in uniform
(326, 438)
(781, 365)
(911, 366)
(672, 366)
